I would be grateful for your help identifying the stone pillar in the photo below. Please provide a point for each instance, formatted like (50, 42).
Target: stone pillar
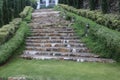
(47, 3)
(38, 5)
(56, 2)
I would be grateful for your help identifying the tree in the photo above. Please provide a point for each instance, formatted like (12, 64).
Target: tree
(79, 4)
(104, 6)
(92, 5)
(119, 5)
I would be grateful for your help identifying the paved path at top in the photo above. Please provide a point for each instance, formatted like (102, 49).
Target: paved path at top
(51, 38)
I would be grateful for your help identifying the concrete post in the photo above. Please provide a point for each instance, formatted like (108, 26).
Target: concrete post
(56, 2)
(38, 6)
(47, 3)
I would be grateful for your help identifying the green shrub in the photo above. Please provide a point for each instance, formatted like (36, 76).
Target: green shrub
(3, 36)
(16, 21)
(7, 49)
(29, 15)
(7, 31)
(109, 40)
(109, 20)
(24, 13)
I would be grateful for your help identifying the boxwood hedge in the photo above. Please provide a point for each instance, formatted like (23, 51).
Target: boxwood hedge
(109, 20)
(108, 37)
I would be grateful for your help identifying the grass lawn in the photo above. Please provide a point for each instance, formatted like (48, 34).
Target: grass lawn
(60, 70)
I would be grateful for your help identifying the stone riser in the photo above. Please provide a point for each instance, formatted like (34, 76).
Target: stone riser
(43, 10)
(52, 34)
(53, 41)
(60, 49)
(52, 37)
(49, 28)
(27, 52)
(36, 25)
(56, 44)
(78, 59)
(67, 32)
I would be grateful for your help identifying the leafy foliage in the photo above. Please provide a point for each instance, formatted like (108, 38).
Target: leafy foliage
(7, 49)
(7, 31)
(107, 20)
(10, 9)
(107, 38)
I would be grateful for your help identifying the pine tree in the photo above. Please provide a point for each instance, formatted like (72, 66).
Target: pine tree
(119, 5)
(79, 4)
(92, 4)
(104, 6)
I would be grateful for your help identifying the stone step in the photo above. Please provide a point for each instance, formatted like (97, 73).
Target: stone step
(58, 30)
(56, 44)
(52, 31)
(49, 27)
(58, 24)
(43, 10)
(52, 37)
(53, 41)
(46, 13)
(37, 24)
(59, 49)
(28, 52)
(78, 59)
(52, 34)
(38, 16)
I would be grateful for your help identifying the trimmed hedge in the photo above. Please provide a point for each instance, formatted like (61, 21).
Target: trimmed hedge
(7, 49)
(7, 31)
(109, 38)
(108, 20)
(29, 15)
(18, 30)
(25, 12)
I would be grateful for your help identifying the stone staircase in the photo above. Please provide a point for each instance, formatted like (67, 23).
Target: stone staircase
(51, 38)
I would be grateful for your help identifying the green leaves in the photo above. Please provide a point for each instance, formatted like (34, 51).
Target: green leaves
(108, 40)
(7, 49)
(7, 31)
(10, 9)
(108, 20)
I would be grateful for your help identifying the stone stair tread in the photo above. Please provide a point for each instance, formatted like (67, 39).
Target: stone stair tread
(59, 49)
(40, 47)
(56, 44)
(32, 52)
(46, 29)
(53, 41)
(42, 13)
(51, 34)
(78, 59)
(49, 27)
(51, 37)
(53, 31)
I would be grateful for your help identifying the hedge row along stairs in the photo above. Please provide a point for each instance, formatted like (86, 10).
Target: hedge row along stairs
(53, 38)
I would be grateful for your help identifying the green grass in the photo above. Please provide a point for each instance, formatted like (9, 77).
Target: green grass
(60, 70)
